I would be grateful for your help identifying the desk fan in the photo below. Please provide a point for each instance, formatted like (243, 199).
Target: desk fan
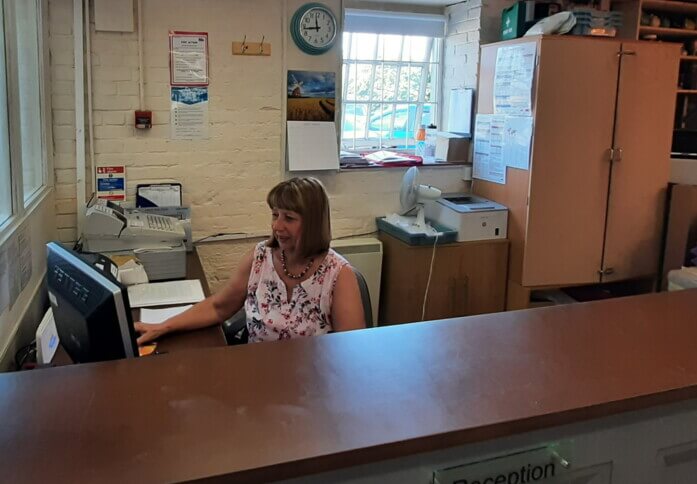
(412, 196)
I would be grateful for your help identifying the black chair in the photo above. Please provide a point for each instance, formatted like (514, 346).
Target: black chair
(235, 328)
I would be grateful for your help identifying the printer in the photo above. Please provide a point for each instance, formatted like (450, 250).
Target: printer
(474, 218)
(157, 241)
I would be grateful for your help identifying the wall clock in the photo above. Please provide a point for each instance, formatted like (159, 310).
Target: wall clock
(314, 28)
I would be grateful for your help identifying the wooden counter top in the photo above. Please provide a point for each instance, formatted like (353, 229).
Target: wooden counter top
(277, 410)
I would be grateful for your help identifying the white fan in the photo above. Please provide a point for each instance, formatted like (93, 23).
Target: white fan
(412, 196)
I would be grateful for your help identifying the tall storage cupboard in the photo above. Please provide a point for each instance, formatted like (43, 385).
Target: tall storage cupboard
(590, 207)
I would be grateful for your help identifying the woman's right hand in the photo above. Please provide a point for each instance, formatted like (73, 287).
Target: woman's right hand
(150, 332)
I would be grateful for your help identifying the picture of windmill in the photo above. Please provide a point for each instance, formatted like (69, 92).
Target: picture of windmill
(311, 96)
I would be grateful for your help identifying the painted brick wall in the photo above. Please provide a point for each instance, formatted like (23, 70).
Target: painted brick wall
(469, 25)
(226, 177)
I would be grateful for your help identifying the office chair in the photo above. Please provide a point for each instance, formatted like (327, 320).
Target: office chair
(235, 328)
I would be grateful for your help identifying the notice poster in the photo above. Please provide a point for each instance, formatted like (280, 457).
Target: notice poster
(489, 163)
(517, 141)
(189, 113)
(111, 183)
(188, 58)
(513, 78)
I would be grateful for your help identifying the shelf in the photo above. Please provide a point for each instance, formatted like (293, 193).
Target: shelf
(687, 91)
(688, 58)
(665, 32)
(669, 6)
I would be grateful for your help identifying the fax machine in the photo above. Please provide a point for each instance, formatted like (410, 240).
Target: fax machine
(474, 218)
(158, 241)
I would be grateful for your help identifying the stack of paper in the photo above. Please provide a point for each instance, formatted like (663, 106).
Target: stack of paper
(165, 293)
(156, 316)
(387, 157)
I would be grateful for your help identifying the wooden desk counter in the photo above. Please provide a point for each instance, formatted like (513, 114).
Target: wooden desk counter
(278, 410)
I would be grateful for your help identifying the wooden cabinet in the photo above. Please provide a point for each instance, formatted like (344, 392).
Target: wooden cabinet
(468, 278)
(580, 215)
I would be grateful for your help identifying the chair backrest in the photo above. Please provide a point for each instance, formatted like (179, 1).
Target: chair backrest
(365, 298)
(235, 328)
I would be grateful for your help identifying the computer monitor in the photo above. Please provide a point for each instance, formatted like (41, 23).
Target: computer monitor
(91, 309)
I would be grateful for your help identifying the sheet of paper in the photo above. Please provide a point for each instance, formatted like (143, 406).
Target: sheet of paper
(517, 141)
(156, 316)
(460, 112)
(312, 145)
(482, 130)
(189, 113)
(188, 58)
(513, 78)
(161, 195)
(488, 149)
(165, 293)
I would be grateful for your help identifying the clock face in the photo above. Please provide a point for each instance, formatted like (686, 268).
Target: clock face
(318, 27)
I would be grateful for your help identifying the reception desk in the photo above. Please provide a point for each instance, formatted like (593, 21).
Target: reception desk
(609, 388)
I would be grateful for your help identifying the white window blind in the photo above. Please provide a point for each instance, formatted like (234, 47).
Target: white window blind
(394, 23)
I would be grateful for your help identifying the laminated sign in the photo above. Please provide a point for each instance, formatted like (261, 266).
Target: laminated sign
(111, 183)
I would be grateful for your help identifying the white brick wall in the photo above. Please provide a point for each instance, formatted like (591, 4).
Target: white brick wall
(469, 24)
(226, 177)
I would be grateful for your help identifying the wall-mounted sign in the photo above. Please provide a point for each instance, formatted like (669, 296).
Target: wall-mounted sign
(540, 465)
(111, 183)
(188, 58)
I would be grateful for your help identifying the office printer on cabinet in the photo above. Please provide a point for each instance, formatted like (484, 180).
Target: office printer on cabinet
(158, 241)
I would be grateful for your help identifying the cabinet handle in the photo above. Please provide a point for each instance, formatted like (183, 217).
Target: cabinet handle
(606, 272)
(615, 154)
(626, 52)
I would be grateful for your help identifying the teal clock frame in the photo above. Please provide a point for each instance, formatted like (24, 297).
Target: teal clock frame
(295, 29)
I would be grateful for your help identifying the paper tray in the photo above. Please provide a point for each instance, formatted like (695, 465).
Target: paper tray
(449, 235)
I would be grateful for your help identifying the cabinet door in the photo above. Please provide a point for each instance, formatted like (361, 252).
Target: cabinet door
(574, 114)
(644, 129)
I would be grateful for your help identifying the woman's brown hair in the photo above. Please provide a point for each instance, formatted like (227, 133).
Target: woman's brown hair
(307, 197)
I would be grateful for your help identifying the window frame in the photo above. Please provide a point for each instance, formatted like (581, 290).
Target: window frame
(365, 144)
(22, 208)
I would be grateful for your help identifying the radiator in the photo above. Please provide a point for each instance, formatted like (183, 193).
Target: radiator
(365, 254)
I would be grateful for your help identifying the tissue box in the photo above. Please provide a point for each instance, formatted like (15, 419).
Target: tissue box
(452, 147)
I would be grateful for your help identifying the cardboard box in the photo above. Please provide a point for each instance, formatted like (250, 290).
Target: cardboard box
(452, 147)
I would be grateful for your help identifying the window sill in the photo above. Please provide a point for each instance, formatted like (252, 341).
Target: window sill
(373, 167)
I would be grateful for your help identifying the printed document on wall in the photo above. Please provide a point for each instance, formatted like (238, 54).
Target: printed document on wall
(513, 79)
(188, 62)
(488, 149)
(517, 141)
(189, 113)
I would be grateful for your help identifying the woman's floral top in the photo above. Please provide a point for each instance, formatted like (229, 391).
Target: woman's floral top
(272, 315)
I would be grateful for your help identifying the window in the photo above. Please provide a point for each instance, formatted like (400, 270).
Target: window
(28, 72)
(391, 81)
(22, 154)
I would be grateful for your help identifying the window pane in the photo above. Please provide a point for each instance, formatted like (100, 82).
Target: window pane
(29, 95)
(415, 49)
(394, 78)
(390, 47)
(5, 186)
(364, 81)
(363, 46)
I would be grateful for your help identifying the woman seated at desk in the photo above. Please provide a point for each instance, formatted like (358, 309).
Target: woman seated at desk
(290, 285)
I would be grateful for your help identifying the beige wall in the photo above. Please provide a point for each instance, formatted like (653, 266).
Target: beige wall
(18, 323)
(226, 177)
